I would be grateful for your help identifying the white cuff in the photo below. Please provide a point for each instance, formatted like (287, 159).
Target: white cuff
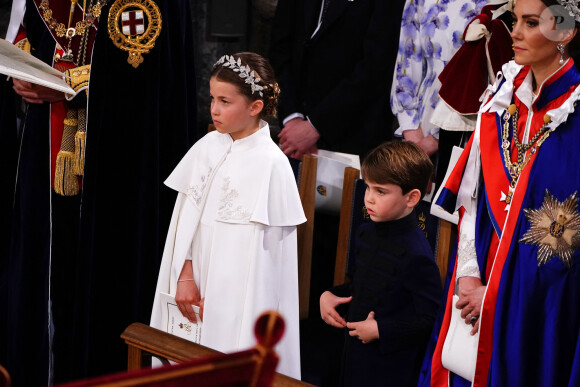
(467, 265)
(291, 117)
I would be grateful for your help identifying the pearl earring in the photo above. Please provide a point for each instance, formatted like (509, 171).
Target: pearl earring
(560, 48)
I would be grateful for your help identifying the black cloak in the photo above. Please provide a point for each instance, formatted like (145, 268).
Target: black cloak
(82, 268)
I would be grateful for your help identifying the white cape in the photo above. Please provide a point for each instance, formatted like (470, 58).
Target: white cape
(251, 250)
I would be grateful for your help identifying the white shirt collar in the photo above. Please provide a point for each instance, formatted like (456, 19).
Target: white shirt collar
(525, 92)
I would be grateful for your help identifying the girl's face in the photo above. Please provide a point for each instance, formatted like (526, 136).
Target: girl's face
(532, 26)
(231, 111)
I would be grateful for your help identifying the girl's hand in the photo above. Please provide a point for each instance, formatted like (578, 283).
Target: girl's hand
(33, 93)
(328, 304)
(366, 331)
(187, 293)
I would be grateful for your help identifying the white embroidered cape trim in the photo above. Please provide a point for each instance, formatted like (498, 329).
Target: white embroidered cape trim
(195, 192)
(227, 208)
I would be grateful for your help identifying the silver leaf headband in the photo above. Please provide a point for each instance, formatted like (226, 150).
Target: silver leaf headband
(244, 72)
(572, 7)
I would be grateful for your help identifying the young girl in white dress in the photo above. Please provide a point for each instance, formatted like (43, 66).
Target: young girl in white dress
(231, 248)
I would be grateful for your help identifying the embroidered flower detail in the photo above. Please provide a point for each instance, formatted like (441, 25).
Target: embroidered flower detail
(227, 208)
(195, 192)
(555, 229)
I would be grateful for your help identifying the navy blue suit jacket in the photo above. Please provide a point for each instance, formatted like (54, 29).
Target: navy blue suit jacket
(340, 78)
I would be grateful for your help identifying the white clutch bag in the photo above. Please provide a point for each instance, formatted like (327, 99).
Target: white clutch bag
(460, 348)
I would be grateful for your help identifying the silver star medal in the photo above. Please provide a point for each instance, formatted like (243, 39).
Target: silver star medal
(554, 228)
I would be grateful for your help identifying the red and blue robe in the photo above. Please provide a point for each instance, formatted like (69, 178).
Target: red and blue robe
(530, 317)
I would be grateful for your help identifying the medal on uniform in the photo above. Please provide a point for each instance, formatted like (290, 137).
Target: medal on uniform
(554, 228)
(134, 25)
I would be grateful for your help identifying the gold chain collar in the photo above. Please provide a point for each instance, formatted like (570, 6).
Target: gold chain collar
(69, 32)
(516, 168)
(80, 27)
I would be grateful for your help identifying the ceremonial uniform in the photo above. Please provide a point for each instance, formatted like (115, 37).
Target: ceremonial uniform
(85, 248)
(235, 218)
(526, 232)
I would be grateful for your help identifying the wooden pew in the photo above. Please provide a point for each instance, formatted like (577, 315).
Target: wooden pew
(144, 341)
(198, 365)
(446, 238)
(307, 191)
(344, 228)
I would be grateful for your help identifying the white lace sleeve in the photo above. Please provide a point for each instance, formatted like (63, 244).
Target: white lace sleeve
(466, 255)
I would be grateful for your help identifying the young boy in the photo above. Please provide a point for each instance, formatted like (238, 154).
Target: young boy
(396, 288)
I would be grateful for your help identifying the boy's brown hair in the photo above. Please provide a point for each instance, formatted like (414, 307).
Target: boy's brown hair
(400, 163)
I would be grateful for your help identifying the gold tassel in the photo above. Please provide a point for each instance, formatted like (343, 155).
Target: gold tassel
(80, 138)
(79, 162)
(65, 181)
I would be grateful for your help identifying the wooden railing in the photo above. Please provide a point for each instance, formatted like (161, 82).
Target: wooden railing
(144, 341)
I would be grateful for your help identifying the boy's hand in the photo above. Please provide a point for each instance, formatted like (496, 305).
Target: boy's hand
(366, 331)
(328, 304)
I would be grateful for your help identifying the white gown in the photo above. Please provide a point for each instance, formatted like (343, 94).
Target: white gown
(235, 217)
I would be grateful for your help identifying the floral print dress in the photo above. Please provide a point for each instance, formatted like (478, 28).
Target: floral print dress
(431, 33)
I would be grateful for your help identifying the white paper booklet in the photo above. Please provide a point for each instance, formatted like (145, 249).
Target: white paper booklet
(436, 210)
(175, 323)
(21, 65)
(330, 178)
(346, 158)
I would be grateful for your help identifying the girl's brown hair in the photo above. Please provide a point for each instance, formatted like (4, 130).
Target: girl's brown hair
(262, 70)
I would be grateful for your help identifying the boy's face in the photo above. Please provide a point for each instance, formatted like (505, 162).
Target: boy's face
(385, 202)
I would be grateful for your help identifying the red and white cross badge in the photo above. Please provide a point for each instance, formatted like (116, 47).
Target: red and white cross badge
(132, 22)
(133, 26)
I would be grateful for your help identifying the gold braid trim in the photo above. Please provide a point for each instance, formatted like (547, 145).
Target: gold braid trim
(65, 181)
(24, 45)
(80, 139)
(78, 77)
